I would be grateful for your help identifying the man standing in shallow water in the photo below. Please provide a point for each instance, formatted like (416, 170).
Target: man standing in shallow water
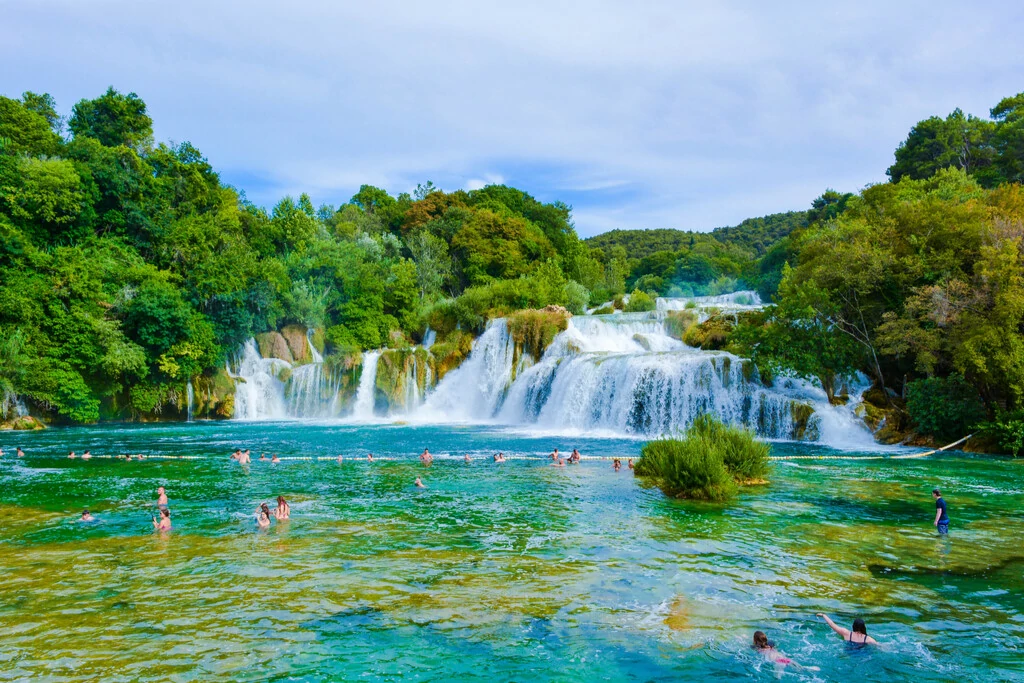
(941, 518)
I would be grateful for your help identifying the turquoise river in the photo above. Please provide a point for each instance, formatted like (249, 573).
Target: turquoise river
(495, 572)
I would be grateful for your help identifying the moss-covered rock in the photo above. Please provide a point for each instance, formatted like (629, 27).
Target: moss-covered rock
(449, 352)
(710, 335)
(274, 345)
(533, 330)
(213, 395)
(802, 426)
(22, 423)
(403, 377)
(677, 323)
(295, 335)
(887, 417)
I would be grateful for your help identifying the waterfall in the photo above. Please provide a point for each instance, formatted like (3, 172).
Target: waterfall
(366, 392)
(259, 393)
(475, 389)
(190, 397)
(428, 338)
(623, 373)
(620, 373)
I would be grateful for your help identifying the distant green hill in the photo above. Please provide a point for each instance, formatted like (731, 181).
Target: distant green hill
(756, 235)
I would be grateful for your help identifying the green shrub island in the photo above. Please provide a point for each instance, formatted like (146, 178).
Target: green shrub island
(710, 463)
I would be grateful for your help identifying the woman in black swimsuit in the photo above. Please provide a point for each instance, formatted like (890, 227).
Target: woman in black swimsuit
(859, 634)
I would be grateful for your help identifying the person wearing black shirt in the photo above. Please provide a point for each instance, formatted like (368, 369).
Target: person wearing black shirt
(941, 518)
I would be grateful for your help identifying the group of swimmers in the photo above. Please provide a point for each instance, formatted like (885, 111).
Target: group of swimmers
(282, 512)
(857, 637)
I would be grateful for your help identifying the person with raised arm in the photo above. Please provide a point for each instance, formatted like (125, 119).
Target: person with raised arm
(859, 634)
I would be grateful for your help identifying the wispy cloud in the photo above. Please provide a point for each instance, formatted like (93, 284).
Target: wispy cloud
(661, 114)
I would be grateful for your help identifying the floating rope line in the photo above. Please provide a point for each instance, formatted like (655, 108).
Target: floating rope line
(908, 456)
(539, 458)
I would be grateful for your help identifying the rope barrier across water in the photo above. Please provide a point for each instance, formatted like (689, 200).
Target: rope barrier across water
(385, 458)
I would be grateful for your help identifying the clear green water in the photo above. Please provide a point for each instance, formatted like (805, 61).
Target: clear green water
(495, 572)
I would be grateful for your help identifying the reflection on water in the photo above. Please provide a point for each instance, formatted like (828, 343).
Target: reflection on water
(495, 572)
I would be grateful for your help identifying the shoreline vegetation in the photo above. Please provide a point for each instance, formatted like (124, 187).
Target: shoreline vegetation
(131, 274)
(711, 462)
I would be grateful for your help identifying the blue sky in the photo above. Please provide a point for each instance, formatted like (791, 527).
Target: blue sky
(639, 115)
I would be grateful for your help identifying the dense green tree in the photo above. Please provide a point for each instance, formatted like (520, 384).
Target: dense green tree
(113, 119)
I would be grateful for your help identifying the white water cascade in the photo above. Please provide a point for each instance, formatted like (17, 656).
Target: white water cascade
(620, 373)
(190, 398)
(365, 393)
(623, 373)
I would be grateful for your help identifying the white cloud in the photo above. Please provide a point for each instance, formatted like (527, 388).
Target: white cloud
(640, 115)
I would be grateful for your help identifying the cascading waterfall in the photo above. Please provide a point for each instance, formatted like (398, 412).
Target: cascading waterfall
(259, 392)
(617, 373)
(190, 398)
(365, 393)
(475, 389)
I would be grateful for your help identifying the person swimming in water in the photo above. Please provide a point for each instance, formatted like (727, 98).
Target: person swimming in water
(574, 456)
(629, 463)
(71, 455)
(553, 454)
(420, 484)
(340, 459)
(86, 517)
(275, 458)
(87, 455)
(263, 516)
(244, 458)
(466, 457)
(767, 649)
(559, 463)
(616, 464)
(165, 520)
(284, 510)
(369, 457)
(425, 457)
(859, 634)
(21, 453)
(161, 497)
(263, 457)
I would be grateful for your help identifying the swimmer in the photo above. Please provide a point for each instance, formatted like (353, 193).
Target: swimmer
(243, 458)
(558, 463)
(575, 456)
(263, 516)
(500, 457)
(369, 457)
(340, 459)
(161, 497)
(629, 463)
(71, 455)
(236, 454)
(466, 458)
(1, 452)
(554, 454)
(21, 453)
(87, 455)
(165, 520)
(616, 464)
(140, 456)
(284, 510)
(263, 457)
(859, 634)
(425, 457)
(275, 458)
(86, 517)
(768, 651)
(420, 484)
